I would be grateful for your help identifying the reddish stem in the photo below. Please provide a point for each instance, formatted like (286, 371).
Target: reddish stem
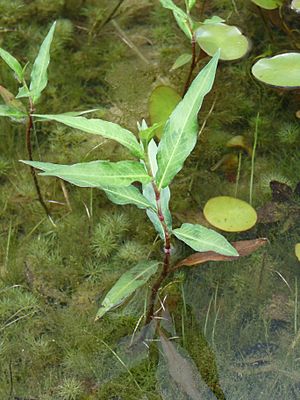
(32, 170)
(192, 66)
(166, 263)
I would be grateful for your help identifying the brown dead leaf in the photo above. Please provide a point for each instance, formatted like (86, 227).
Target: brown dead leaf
(243, 247)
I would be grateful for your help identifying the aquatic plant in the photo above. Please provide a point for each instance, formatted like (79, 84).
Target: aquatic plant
(14, 108)
(281, 70)
(154, 170)
(210, 35)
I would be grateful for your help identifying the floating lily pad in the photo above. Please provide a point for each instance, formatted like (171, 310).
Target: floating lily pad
(297, 251)
(229, 39)
(230, 214)
(296, 5)
(268, 4)
(282, 70)
(162, 102)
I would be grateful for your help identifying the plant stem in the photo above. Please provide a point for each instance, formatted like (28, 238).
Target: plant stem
(253, 158)
(32, 170)
(112, 14)
(166, 263)
(237, 181)
(192, 66)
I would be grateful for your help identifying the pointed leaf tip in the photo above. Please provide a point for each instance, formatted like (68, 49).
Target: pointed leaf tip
(39, 77)
(181, 130)
(126, 285)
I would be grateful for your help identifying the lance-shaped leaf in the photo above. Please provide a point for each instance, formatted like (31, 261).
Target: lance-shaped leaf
(12, 112)
(181, 60)
(177, 374)
(95, 173)
(165, 194)
(13, 63)
(200, 238)
(127, 195)
(126, 285)
(100, 127)
(182, 19)
(39, 78)
(243, 247)
(10, 100)
(190, 4)
(180, 133)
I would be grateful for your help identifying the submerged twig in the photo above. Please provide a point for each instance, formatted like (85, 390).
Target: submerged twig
(128, 42)
(111, 14)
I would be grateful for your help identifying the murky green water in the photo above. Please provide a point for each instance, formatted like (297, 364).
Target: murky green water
(235, 325)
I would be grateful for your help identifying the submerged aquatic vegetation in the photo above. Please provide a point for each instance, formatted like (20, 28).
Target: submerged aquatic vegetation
(211, 34)
(237, 305)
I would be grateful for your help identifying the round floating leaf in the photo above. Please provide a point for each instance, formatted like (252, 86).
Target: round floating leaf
(229, 39)
(281, 70)
(296, 5)
(162, 102)
(297, 250)
(268, 4)
(230, 214)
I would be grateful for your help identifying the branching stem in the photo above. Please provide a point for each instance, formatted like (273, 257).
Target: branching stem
(195, 61)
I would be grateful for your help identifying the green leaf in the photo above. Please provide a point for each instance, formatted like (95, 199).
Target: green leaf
(162, 102)
(100, 127)
(181, 130)
(297, 250)
(13, 63)
(229, 39)
(268, 4)
(184, 23)
(170, 5)
(39, 76)
(148, 133)
(230, 214)
(11, 101)
(95, 173)
(12, 112)
(181, 60)
(181, 17)
(213, 20)
(23, 92)
(127, 195)
(201, 239)
(190, 4)
(282, 70)
(79, 113)
(126, 285)
(165, 194)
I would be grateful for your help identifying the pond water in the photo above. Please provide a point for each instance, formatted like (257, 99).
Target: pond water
(222, 329)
